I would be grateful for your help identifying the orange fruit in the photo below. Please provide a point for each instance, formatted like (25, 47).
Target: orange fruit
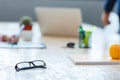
(115, 51)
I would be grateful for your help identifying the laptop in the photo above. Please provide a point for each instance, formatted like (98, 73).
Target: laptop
(59, 21)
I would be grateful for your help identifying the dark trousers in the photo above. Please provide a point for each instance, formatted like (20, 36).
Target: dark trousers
(119, 23)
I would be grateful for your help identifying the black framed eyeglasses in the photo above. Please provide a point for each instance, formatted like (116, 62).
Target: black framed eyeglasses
(30, 65)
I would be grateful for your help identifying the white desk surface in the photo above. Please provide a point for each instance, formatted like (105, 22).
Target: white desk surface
(60, 67)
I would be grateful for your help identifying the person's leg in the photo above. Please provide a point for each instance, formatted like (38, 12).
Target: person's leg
(119, 23)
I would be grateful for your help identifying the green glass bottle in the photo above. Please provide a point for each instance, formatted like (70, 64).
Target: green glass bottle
(81, 37)
(82, 32)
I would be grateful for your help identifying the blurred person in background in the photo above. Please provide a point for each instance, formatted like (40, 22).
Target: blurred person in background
(108, 7)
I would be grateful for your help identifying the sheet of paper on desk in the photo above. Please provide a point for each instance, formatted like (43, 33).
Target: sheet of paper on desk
(78, 60)
(23, 45)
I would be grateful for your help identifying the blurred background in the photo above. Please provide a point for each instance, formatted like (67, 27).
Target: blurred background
(13, 10)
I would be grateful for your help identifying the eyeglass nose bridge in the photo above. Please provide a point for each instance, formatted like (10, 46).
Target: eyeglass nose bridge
(31, 63)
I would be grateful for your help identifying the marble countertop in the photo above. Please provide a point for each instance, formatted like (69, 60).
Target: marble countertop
(59, 66)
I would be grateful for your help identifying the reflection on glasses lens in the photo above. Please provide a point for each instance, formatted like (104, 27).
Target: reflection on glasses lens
(39, 63)
(21, 65)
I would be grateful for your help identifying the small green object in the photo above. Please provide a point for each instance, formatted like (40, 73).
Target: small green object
(84, 37)
(86, 40)
(82, 32)
(26, 20)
